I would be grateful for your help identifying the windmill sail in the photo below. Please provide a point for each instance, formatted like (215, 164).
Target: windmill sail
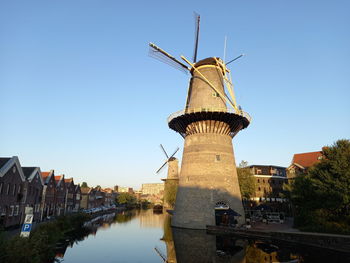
(196, 36)
(159, 54)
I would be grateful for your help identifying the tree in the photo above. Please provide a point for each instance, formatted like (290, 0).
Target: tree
(246, 180)
(126, 199)
(243, 164)
(170, 193)
(84, 185)
(322, 196)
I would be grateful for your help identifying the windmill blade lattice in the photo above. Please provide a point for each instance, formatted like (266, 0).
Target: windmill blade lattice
(159, 54)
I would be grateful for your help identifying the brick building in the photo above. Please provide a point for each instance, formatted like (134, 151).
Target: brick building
(269, 180)
(32, 191)
(77, 193)
(60, 195)
(48, 201)
(303, 161)
(70, 195)
(11, 191)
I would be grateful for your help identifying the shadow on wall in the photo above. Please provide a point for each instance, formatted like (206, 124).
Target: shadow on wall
(195, 206)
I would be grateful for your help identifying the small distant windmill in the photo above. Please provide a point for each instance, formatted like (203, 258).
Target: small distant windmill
(172, 179)
(168, 159)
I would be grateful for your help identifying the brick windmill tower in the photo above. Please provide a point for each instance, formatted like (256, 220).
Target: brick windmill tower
(211, 118)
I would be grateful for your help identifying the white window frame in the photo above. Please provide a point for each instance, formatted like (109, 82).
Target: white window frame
(12, 208)
(16, 211)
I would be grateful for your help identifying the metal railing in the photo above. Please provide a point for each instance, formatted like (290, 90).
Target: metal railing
(203, 109)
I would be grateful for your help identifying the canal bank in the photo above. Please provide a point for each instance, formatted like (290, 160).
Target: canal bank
(334, 242)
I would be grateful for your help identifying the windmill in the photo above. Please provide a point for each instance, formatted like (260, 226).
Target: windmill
(172, 180)
(208, 123)
(168, 159)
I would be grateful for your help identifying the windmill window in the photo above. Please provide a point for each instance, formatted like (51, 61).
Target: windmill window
(215, 94)
(217, 158)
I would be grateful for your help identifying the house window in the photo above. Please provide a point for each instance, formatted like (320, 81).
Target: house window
(258, 171)
(258, 181)
(259, 189)
(14, 190)
(8, 189)
(16, 210)
(19, 189)
(11, 210)
(1, 186)
(263, 180)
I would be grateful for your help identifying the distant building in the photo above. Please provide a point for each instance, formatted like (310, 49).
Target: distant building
(303, 161)
(269, 180)
(70, 195)
(122, 189)
(85, 196)
(60, 195)
(77, 199)
(48, 201)
(152, 189)
(110, 196)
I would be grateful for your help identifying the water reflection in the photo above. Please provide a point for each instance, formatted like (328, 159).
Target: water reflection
(131, 236)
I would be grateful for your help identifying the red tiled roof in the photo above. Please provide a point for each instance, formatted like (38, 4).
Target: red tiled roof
(45, 174)
(307, 159)
(68, 180)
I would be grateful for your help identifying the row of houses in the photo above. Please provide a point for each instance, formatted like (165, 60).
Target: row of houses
(46, 193)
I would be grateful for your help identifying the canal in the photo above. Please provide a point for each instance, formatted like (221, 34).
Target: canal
(143, 236)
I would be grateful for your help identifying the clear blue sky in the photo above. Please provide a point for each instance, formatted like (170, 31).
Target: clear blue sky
(80, 95)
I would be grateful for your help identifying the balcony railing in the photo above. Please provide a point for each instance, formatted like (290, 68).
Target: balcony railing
(196, 110)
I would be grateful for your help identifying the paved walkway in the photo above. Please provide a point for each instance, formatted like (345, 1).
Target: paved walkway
(287, 226)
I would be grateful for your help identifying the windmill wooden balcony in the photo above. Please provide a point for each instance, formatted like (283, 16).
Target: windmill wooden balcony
(236, 121)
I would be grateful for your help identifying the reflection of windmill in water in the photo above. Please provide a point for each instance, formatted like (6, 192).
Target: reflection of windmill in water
(172, 180)
(208, 123)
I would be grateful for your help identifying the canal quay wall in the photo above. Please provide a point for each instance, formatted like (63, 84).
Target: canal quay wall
(320, 240)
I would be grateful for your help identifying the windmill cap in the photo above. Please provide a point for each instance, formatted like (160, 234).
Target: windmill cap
(208, 61)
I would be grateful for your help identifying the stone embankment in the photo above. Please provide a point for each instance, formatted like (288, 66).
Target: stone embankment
(319, 240)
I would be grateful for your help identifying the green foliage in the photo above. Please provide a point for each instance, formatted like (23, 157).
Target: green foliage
(84, 184)
(126, 199)
(170, 193)
(144, 204)
(40, 246)
(246, 182)
(322, 196)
